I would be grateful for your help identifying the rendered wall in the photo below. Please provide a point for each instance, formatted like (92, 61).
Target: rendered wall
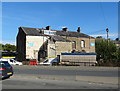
(33, 44)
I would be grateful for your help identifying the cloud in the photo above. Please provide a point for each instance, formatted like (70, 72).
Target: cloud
(114, 35)
(61, 27)
(8, 42)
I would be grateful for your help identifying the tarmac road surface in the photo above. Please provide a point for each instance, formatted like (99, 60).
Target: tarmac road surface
(62, 77)
(67, 71)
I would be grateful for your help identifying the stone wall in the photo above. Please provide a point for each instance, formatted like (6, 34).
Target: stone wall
(59, 47)
(63, 47)
(88, 48)
(51, 50)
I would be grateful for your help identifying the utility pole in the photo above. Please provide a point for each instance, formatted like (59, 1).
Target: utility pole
(107, 30)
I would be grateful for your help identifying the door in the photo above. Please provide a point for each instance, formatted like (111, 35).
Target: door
(36, 54)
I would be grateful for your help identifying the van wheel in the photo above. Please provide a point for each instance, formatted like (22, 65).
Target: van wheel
(54, 64)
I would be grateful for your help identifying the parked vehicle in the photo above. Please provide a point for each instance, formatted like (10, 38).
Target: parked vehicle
(11, 61)
(6, 54)
(6, 69)
(78, 59)
(49, 61)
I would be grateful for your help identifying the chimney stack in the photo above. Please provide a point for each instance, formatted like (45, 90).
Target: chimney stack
(78, 29)
(48, 28)
(65, 29)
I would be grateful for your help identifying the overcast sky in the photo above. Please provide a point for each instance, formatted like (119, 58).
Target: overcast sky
(92, 17)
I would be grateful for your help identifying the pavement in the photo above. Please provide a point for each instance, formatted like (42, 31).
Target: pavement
(30, 83)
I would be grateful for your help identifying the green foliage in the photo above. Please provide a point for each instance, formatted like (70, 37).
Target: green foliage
(1, 46)
(106, 51)
(7, 47)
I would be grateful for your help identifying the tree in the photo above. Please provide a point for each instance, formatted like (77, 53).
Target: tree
(7, 47)
(1, 46)
(106, 50)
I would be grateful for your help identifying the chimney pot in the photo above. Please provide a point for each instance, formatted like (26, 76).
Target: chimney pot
(65, 29)
(78, 29)
(48, 28)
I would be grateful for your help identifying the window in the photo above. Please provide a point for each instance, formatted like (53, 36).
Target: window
(46, 61)
(30, 44)
(11, 60)
(92, 44)
(82, 43)
(74, 44)
(4, 63)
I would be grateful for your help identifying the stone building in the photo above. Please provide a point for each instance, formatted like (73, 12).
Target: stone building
(54, 46)
(80, 41)
(38, 43)
(117, 43)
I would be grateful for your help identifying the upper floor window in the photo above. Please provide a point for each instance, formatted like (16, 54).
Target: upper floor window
(74, 44)
(82, 43)
(92, 44)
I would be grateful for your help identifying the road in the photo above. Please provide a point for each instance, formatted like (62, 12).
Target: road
(38, 77)
(68, 71)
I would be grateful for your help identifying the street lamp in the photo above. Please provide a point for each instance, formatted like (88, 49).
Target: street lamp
(107, 30)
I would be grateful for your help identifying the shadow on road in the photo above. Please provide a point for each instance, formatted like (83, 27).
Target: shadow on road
(5, 78)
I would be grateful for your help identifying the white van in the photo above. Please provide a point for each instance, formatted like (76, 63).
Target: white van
(49, 61)
(11, 61)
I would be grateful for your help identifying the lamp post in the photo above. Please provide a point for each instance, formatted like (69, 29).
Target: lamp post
(107, 30)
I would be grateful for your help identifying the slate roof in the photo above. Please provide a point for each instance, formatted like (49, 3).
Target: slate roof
(36, 32)
(59, 38)
(72, 34)
(31, 31)
(116, 42)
